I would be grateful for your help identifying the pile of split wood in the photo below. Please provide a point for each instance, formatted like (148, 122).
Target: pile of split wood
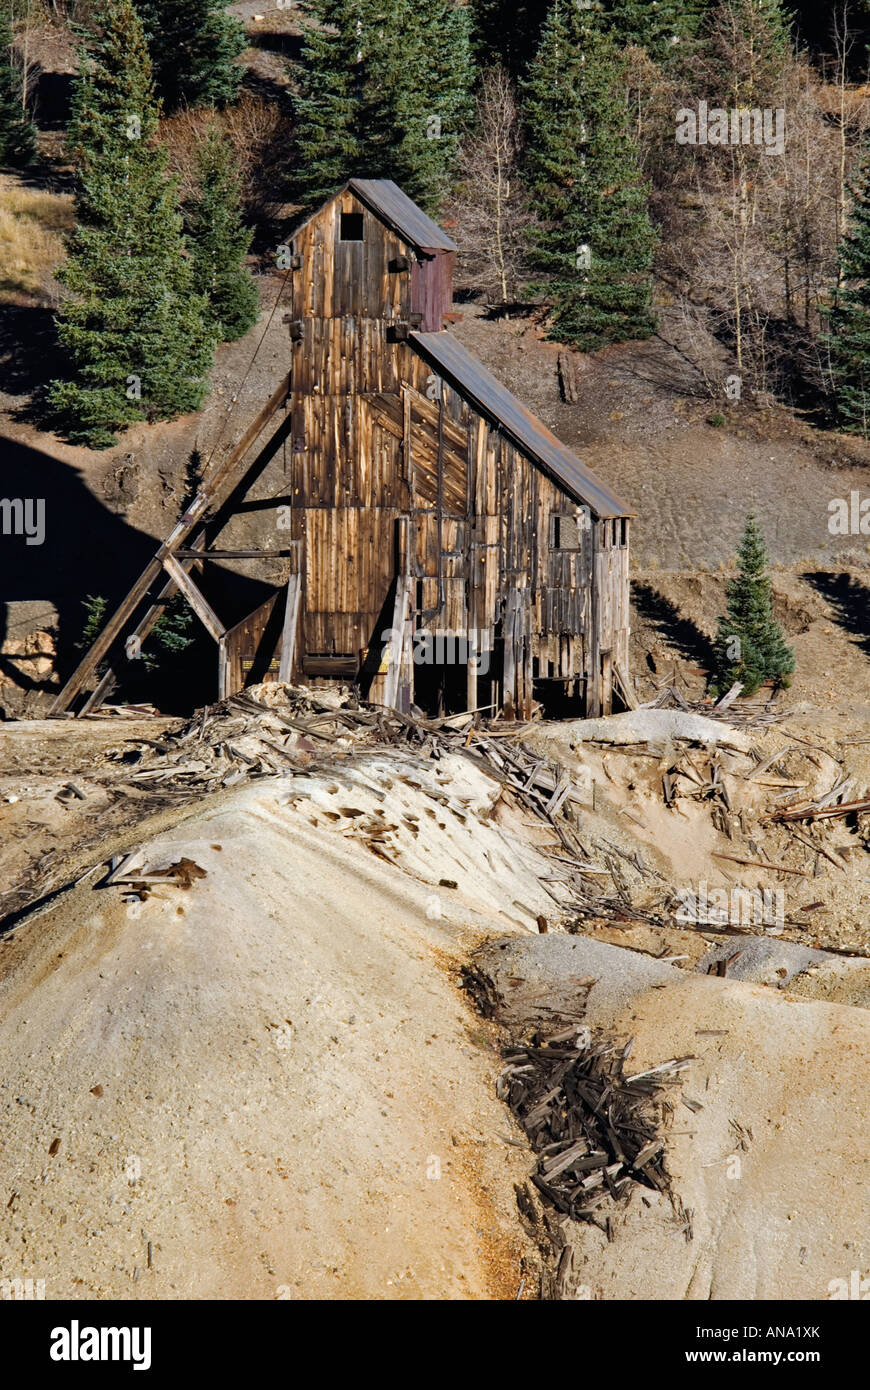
(597, 1132)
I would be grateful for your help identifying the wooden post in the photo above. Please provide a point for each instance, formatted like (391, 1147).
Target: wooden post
(528, 656)
(606, 683)
(223, 670)
(509, 676)
(291, 621)
(397, 686)
(407, 459)
(471, 675)
(593, 646)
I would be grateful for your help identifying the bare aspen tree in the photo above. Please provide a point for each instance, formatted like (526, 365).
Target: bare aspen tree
(842, 46)
(489, 211)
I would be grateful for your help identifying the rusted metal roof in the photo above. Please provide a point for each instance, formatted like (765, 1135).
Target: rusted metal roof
(394, 207)
(524, 429)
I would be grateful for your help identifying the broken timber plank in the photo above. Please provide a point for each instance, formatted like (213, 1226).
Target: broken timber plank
(763, 766)
(184, 553)
(845, 808)
(624, 682)
(760, 864)
(401, 615)
(223, 669)
(730, 696)
(818, 849)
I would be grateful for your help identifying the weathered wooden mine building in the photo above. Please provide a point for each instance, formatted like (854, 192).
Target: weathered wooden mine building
(445, 548)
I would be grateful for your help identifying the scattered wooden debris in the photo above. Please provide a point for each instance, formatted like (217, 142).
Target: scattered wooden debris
(746, 715)
(760, 864)
(597, 1133)
(729, 697)
(70, 792)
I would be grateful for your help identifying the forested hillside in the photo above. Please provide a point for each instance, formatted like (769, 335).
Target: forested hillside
(598, 164)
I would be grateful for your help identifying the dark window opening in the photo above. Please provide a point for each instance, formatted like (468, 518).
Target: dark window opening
(351, 228)
(623, 532)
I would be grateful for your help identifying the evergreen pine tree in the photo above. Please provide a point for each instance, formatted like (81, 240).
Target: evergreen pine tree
(507, 33)
(747, 48)
(848, 338)
(219, 241)
(655, 25)
(327, 107)
(749, 644)
(777, 18)
(170, 635)
(445, 110)
(17, 131)
(595, 241)
(134, 330)
(385, 92)
(195, 47)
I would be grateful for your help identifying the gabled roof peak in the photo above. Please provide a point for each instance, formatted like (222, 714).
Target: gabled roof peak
(387, 201)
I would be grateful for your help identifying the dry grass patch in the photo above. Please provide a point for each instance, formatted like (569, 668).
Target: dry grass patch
(32, 229)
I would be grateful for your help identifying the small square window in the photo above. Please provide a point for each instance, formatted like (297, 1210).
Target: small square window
(351, 227)
(564, 533)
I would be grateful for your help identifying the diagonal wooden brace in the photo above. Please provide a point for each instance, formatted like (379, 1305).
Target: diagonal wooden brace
(197, 600)
(213, 481)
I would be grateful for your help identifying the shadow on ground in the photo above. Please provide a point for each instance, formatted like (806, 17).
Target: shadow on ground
(691, 643)
(850, 600)
(30, 355)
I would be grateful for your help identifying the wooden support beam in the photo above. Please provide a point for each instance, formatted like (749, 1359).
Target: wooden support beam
(528, 659)
(471, 677)
(509, 670)
(211, 482)
(97, 653)
(185, 554)
(607, 682)
(143, 629)
(407, 460)
(399, 675)
(405, 695)
(593, 647)
(197, 601)
(395, 650)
